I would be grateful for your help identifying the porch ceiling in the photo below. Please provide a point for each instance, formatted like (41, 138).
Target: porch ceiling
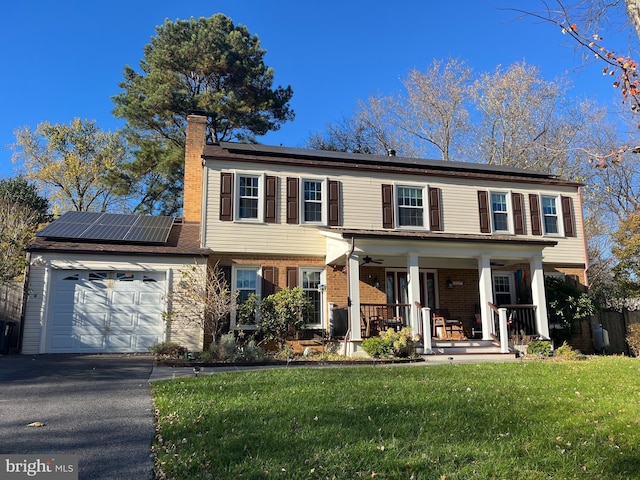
(431, 245)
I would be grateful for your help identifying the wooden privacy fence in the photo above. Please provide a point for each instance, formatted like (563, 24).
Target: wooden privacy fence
(11, 301)
(616, 324)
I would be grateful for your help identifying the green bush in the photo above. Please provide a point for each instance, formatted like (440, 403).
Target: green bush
(539, 347)
(391, 343)
(566, 352)
(289, 307)
(169, 350)
(377, 347)
(633, 339)
(224, 350)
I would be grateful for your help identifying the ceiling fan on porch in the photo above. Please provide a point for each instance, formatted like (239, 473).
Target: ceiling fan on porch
(367, 259)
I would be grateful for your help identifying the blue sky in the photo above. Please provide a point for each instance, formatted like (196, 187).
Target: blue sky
(64, 59)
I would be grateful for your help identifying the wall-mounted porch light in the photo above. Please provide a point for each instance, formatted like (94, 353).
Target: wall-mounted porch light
(449, 283)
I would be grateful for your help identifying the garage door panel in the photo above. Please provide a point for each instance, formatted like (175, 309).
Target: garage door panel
(143, 342)
(99, 311)
(87, 342)
(122, 322)
(150, 299)
(120, 343)
(123, 298)
(62, 342)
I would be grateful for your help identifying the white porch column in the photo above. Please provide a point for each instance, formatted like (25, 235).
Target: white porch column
(353, 270)
(485, 286)
(539, 296)
(426, 330)
(413, 272)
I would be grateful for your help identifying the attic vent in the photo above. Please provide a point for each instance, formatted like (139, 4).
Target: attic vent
(391, 152)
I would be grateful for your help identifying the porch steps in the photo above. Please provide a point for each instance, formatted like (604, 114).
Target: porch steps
(462, 347)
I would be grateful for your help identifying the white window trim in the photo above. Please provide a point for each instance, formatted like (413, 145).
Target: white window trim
(425, 206)
(325, 198)
(234, 289)
(512, 285)
(510, 230)
(559, 215)
(323, 281)
(236, 199)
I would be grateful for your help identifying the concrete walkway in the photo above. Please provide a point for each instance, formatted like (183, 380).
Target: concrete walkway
(169, 373)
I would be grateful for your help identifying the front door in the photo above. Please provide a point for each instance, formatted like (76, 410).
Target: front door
(398, 289)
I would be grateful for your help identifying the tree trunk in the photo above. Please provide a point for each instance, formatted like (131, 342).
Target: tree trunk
(633, 10)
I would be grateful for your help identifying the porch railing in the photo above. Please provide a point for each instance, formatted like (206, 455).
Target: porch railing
(513, 322)
(377, 317)
(521, 320)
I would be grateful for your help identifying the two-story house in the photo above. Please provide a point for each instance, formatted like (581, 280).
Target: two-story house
(370, 238)
(381, 235)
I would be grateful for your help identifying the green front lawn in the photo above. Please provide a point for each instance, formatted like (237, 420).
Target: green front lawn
(529, 420)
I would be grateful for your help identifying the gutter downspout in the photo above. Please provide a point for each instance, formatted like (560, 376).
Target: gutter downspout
(584, 240)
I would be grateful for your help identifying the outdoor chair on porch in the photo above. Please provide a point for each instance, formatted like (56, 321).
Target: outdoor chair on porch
(450, 328)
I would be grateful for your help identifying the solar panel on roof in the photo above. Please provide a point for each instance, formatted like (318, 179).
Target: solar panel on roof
(109, 227)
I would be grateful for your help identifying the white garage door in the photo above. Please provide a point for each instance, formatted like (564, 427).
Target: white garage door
(100, 311)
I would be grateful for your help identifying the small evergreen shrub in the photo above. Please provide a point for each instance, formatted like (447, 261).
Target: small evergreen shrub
(566, 352)
(376, 347)
(539, 347)
(633, 339)
(168, 350)
(224, 350)
(391, 343)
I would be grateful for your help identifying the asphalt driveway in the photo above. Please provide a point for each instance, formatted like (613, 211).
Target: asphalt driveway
(95, 406)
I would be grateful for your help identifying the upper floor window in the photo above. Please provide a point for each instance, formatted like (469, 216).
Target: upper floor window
(550, 215)
(411, 207)
(249, 197)
(313, 210)
(499, 212)
(410, 201)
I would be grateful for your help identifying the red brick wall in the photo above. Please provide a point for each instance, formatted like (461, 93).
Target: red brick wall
(196, 138)
(460, 300)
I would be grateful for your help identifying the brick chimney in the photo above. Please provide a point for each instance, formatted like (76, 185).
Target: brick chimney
(196, 139)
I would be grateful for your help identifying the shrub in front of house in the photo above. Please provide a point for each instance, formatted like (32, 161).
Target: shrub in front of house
(539, 347)
(168, 350)
(633, 339)
(566, 352)
(390, 343)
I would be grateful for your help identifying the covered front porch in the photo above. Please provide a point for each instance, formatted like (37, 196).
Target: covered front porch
(443, 287)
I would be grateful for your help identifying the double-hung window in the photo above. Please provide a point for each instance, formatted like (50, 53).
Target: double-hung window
(249, 188)
(311, 281)
(410, 206)
(313, 201)
(245, 282)
(550, 222)
(500, 212)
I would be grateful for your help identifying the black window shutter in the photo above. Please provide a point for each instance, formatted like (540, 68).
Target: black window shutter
(270, 198)
(292, 277)
(268, 281)
(226, 196)
(518, 214)
(387, 206)
(292, 200)
(534, 206)
(483, 211)
(434, 209)
(567, 217)
(334, 203)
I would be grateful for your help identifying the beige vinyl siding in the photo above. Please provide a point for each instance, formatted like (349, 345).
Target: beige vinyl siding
(39, 288)
(34, 310)
(361, 206)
